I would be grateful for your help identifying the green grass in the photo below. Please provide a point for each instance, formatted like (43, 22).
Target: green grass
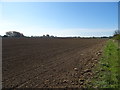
(117, 37)
(107, 71)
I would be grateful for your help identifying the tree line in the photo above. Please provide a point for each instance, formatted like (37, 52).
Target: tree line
(18, 34)
(116, 35)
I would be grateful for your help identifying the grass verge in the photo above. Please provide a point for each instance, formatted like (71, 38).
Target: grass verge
(107, 74)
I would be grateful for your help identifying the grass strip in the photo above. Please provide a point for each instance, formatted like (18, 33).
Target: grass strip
(107, 72)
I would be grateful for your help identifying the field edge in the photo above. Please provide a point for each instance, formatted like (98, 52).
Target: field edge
(107, 70)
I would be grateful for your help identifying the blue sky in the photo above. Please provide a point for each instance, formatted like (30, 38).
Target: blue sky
(59, 18)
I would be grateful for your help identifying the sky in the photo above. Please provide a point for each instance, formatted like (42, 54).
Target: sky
(59, 18)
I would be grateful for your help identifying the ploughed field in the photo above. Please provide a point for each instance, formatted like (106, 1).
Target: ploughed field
(49, 62)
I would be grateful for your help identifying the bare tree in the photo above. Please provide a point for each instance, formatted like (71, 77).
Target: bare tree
(117, 32)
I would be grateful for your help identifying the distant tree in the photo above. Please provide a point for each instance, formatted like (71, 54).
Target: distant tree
(43, 35)
(104, 37)
(14, 34)
(5, 36)
(47, 35)
(52, 36)
(9, 33)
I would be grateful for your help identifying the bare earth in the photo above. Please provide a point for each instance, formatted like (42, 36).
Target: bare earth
(45, 62)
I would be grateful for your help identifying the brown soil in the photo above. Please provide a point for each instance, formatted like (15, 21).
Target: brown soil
(52, 63)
